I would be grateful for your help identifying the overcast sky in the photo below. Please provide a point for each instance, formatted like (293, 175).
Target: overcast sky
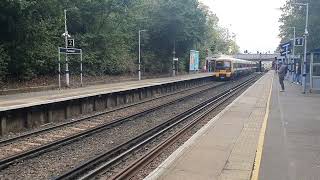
(255, 22)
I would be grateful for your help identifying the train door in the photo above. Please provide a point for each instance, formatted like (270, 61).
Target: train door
(210, 64)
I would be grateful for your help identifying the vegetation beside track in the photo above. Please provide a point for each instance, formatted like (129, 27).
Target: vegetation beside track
(107, 31)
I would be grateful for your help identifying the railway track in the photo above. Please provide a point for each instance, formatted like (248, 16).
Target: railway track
(38, 142)
(99, 164)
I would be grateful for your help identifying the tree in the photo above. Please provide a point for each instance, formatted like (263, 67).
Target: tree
(294, 16)
(107, 31)
(4, 59)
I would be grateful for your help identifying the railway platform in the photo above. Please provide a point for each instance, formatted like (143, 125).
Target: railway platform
(264, 134)
(14, 101)
(29, 110)
(226, 147)
(292, 141)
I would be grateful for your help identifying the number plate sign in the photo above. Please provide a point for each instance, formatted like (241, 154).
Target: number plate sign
(70, 43)
(299, 41)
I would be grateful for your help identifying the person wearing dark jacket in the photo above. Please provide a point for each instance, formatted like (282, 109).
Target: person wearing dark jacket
(282, 73)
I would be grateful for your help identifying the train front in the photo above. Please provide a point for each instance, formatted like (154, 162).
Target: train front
(223, 69)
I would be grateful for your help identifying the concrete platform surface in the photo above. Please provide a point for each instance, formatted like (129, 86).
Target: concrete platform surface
(225, 148)
(292, 140)
(8, 102)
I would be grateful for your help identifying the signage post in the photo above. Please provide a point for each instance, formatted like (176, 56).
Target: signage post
(71, 51)
(194, 61)
(286, 50)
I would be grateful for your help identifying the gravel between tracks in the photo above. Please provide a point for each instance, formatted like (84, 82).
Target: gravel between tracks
(56, 162)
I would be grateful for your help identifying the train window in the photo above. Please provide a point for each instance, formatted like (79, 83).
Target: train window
(223, 64)
(227, 64)
(219, 64)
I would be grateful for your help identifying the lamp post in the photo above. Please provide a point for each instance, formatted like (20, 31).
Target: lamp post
(173, 60)
(292, 65)
(66, 36)
(304, 74)
(66, 45)
(139, 64)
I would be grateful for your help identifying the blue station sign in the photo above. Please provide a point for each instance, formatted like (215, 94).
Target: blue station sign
(286, 48)
(284, 53)
(286, 45)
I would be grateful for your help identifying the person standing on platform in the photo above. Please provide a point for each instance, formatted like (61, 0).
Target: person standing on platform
(299, 74)
(282, 73)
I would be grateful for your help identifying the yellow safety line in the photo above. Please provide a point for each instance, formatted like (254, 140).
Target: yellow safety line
(255, 173)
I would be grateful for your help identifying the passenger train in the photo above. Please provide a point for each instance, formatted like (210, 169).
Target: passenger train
(225, 68)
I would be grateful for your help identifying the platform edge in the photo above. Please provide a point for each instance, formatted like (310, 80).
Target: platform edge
(155, 174)
(257, 161)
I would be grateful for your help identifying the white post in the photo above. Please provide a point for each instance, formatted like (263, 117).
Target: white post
(304, 75)
(286, 58)
(304, 65)
(139, 67)
(173, 60)
(293, 67)
(139, 64)
(304, 82)
(81, 68)
(311, 71)
(59, 68)
(66, 45)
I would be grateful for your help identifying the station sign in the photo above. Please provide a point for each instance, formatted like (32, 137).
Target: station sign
(299, 41)
(70, 50)
(286, 48)
(284, 53)
(286, 45)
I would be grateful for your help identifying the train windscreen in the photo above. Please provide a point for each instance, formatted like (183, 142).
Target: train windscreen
(223, 65)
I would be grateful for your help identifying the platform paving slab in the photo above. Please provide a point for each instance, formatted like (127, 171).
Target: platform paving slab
(292, 140)
(224, 148)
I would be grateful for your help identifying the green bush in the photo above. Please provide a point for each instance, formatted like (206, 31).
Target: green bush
(4, 59)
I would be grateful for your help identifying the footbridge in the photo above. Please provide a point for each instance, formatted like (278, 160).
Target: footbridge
(258, 57)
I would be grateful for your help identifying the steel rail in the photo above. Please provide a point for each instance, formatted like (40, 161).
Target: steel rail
(94, 166)
(132, 169)
(10, 140)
